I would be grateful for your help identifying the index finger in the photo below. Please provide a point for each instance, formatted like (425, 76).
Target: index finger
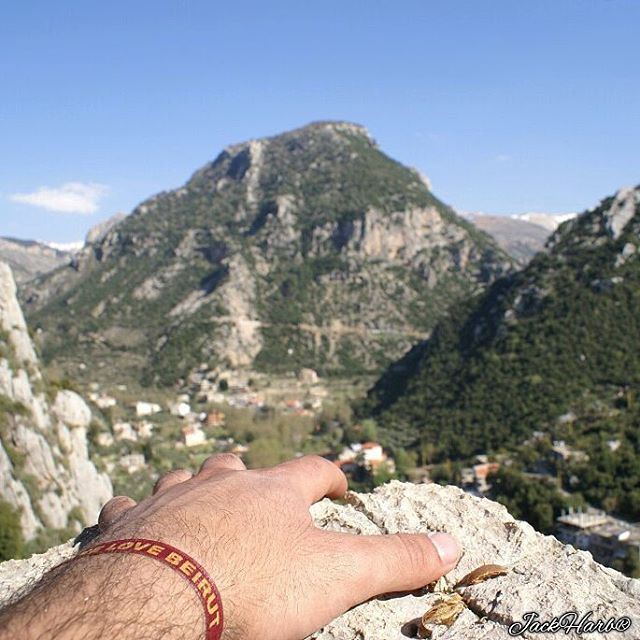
(314, 476)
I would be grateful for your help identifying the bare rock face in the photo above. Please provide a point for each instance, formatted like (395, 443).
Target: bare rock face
(71, 409)
(45, 470)
(99, 231)
(544, 575)
(622, 209)
(29, 259)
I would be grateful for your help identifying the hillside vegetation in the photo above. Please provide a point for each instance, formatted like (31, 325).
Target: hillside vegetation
(561, 335)
(311, 248)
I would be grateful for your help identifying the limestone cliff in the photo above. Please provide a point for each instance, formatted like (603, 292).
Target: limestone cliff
(45, 471)
(544, 575)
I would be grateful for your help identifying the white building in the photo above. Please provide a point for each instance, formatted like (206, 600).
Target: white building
(144, 429)
(147, 408)
(372, 453)
(124, 431)
(133, 462)
(193, 435)
(105, 402)
(181, 409)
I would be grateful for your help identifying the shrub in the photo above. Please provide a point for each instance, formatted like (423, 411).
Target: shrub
(11, 540)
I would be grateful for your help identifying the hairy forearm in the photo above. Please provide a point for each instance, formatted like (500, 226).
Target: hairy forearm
(109, 596)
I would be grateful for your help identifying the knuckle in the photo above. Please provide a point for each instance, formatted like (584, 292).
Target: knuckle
(230, 458)
(320, 463)
(412, 553)
(171, 476)
(224, 459)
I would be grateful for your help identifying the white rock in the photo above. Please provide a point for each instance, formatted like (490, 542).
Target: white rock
(54, 455)
(621, 211)
(104, 439)
(546, 576)
(12, 319)
(71, 409)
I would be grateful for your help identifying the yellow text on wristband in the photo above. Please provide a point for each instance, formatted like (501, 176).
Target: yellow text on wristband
(180, 562)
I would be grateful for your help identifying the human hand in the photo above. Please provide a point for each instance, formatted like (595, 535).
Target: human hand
(279, 576)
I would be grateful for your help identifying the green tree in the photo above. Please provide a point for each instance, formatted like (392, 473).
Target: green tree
(405, 461)
(535, 500)
(266, 452)
(11, 540)
(369, 431)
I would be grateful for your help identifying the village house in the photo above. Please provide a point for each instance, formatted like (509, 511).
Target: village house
(481, 473)
(607, 538)
(215, 419)
(103, 402)
(367, 454)
(146, 408)
(124, 431)
(475, 479)
(181, 409)
(613, 445)
(133, 462)
(308, 376)
(212, 397)
(562, 451)
(239, 449)
(144, 428)
(193, 435)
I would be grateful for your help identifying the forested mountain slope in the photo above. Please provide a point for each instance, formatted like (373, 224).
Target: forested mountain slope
(561, 335)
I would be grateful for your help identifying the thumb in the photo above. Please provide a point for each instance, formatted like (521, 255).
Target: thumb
(398, 562)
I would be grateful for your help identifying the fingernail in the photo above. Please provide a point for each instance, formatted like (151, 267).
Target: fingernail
(447, 546)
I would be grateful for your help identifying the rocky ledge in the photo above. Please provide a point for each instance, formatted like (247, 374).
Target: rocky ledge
(544, 575)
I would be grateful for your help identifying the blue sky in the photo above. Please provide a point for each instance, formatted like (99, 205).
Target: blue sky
(508, 106)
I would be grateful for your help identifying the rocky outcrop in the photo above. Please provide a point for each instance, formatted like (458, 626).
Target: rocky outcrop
(100, 230)
(45, 470)
(622, 209)
(543, 575)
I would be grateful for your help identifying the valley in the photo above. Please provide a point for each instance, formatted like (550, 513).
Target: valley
(306, 293)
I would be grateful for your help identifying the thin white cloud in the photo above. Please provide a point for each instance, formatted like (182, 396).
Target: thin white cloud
(503, 157)
(71, 197)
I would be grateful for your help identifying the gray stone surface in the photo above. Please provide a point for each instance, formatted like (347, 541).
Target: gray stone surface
(545, 576)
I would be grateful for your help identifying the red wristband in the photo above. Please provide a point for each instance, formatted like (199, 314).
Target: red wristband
(179, 561)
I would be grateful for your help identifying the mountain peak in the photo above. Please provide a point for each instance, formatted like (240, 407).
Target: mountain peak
(336, 128)
(311, 248)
